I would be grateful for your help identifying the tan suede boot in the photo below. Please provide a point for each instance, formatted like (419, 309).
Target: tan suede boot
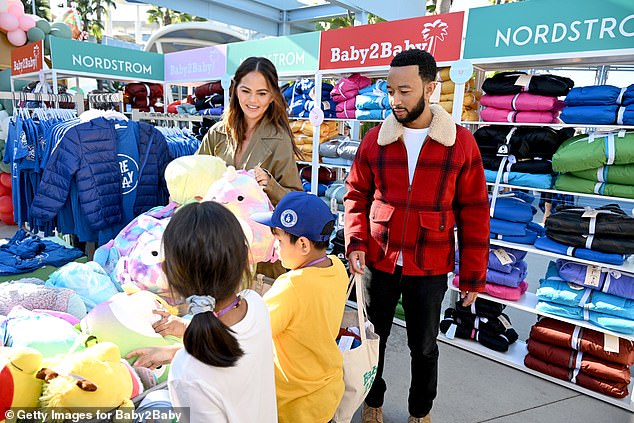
(426, 419)
(372, 414)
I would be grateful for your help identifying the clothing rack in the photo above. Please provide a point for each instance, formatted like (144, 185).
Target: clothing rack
(15, 97)
(168, 117)
(105, 101)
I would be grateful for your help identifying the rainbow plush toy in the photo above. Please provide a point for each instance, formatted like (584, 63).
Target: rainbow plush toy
(188, 178)
(95, 377)
(126, 320)
(240, 193)
(19, 388)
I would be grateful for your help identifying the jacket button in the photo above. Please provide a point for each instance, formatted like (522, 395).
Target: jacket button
(442, 227)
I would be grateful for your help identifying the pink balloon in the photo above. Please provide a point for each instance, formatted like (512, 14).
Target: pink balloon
(3, 6)
(26, 22)
(8, 22)
(16, 9)
(17, 37)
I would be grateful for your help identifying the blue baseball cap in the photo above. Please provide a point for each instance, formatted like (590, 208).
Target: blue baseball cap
(300, 214)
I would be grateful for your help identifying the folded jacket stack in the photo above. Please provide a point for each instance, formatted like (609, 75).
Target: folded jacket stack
(300, 97)
(606, 229)
(602, 279)
(372, 102)
(325, 176)
(471, 100)
(303, 134)
(345, 92)
(209, 99)
(528, 152)
(597, 163)
(505, 274)
(518, 97)
(173, 106)
(580, 356)
(483, 322)
(559, 297)
(600, 105)
(512, 218)
(200, 129)
(144, 97)
(339, 150)
(334, 194)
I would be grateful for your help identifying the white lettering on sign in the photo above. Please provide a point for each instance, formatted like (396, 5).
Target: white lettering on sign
(291, 58)
(104, 63)
(607, 27)
(191, 68)
(374, 51)
(129, 173)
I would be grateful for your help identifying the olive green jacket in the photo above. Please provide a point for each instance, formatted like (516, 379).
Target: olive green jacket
(269, 148)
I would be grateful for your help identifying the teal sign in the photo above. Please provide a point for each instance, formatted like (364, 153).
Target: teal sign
(549, 27)
(292, 53)
(97, 59)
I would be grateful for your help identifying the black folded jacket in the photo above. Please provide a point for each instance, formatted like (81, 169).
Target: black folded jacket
(482, 307)
(498, 342)
(525, 142)
(504, 83)
(603, 243)
(493, 326)
(569, 219)
(541, 167)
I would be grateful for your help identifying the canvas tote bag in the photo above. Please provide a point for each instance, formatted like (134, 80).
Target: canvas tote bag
(360, 363)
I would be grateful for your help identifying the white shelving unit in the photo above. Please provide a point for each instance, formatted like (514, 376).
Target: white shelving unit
(515, 356)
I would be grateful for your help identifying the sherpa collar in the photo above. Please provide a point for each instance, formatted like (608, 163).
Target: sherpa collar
(442, 128)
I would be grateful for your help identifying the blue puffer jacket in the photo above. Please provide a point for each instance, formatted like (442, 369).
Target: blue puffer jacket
(87, 154)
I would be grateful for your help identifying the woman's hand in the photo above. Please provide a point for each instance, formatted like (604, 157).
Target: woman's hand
(262, 176)
(154, 357)
(170, 324)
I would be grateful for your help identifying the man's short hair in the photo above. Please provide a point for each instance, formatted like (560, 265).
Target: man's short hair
(425, 62)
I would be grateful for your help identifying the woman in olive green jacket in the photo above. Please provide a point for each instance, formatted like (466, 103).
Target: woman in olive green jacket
(254, 132)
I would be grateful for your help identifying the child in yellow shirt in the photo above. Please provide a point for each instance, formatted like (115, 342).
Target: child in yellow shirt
(306, 305)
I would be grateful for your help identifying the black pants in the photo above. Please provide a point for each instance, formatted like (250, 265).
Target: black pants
(422, 299)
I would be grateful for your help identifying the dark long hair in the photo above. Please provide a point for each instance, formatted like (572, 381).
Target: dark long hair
(234, 121)
(207, 253)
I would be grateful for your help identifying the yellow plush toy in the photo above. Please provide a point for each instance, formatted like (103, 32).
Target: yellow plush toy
(19, 388)
(95, 377)
(189, 177)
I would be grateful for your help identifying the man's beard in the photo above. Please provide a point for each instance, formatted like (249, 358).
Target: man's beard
(414, 113)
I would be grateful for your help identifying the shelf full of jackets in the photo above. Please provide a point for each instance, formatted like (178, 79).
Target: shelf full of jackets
(146, 97)
(600, 105)
(483, 322)
(208, 100)
(353, 97)
(88, 176)
(471, 100)
(581, 356)
(518, 97)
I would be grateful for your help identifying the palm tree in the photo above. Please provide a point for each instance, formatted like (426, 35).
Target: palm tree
(164, 16)
(42, 8)
(91, 13)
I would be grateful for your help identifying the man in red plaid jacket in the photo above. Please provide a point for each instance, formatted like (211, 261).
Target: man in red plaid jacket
(414, 177)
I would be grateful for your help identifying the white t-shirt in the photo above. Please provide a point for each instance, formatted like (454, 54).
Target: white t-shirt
(414, 140)
(238, 394)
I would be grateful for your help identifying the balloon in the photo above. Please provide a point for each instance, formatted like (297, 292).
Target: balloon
(8, 22)
(17, 37)
(3, 6)
(6, 205)
(35, 34)
(5, 179)
(43, 25)
(4, 190)
(16, 9)
(26, 22)
(7, 218)
(61, 30)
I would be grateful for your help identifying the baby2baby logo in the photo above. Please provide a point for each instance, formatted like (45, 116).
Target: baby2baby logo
(376, 45)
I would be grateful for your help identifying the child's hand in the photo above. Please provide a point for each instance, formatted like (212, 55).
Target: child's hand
(155, 357)
(170, 324)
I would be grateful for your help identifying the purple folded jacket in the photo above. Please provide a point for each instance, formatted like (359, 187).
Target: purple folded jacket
(609, 281)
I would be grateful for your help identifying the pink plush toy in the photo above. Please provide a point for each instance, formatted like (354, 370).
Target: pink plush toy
(239, 192)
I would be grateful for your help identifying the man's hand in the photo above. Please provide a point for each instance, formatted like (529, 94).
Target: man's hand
(468, 297)
(356, 260)
(170, 324)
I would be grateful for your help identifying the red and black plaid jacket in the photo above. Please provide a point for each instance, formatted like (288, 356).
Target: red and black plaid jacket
(385, 215)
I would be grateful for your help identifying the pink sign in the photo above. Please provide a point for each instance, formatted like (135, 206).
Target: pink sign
(201, 64)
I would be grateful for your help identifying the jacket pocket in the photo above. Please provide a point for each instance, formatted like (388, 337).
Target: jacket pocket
(435, 240)
(380, 217)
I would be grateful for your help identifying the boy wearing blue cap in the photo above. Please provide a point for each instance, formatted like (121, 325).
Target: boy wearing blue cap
(306, 305)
